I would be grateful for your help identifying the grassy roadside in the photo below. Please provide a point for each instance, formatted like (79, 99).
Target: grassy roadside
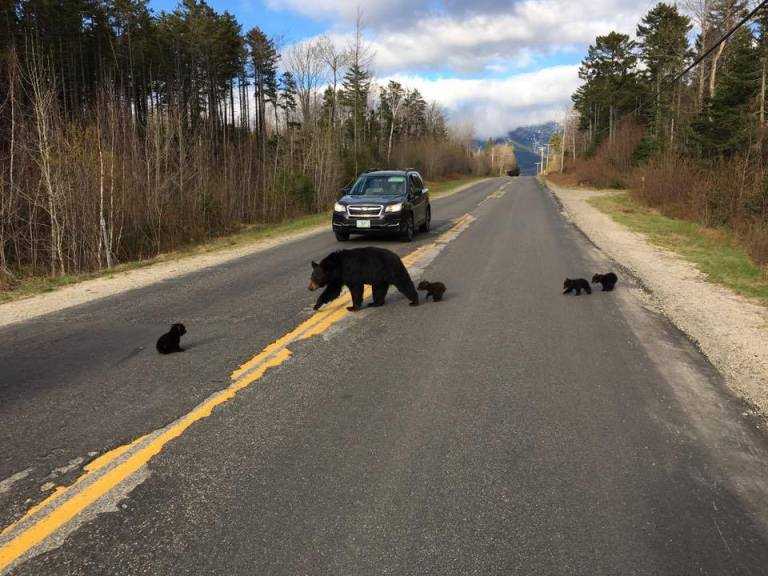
(28, 287)
(715, 252)
(441, 188)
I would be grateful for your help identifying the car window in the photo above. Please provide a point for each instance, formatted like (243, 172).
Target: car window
(383, 185)
(416, 183)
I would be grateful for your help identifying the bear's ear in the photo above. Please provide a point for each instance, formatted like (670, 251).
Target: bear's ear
(315, 264)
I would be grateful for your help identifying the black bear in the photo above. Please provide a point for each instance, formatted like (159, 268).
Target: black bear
(357, 267)
(434, 289)
(577, 284)
(169, 342)
(608, 281)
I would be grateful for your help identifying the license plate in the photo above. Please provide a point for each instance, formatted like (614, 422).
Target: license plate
(363, 223)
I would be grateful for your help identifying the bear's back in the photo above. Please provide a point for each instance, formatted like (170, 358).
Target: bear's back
(368, 255)
(368, 264)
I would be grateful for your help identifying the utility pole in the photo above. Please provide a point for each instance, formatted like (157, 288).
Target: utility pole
(573, 147)
(541, 150)
(562, 142)
(549, 155)
(610, 127)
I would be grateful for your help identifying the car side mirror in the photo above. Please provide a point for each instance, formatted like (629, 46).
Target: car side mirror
(425, 190)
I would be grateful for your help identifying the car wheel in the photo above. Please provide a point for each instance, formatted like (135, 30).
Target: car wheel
(408, 231)
(425, 226)
(342, 236)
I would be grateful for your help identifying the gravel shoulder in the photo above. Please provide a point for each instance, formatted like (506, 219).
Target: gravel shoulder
(730, 330)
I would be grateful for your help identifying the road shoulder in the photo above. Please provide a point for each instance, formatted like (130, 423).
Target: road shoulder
(119, 282)
(729, 329)
(111, 284)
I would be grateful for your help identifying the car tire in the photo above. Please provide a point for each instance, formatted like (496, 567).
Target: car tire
(342, 236)
(427, 220)
(409, 231)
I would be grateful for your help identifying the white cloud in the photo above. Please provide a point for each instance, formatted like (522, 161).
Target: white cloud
(467, 36)
(495, 106)
(468, 43)
(372, 11)
(473, 38)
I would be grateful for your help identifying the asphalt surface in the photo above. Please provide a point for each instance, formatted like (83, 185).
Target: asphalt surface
(506, 430)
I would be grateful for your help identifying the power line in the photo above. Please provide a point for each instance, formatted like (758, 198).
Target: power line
(722, 39)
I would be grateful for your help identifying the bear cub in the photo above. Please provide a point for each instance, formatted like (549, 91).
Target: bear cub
(357, 267)
(608, 281)
(577, 284)
(434, 289)
(169, 342)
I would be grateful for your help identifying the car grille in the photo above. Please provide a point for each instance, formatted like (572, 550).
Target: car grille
(365, 210)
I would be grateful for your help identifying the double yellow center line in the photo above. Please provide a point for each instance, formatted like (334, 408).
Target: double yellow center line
(104, 474)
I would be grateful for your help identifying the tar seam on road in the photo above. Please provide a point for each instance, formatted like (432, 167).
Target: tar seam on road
(26, 537)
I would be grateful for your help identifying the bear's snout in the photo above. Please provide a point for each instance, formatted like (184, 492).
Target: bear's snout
(312, 285)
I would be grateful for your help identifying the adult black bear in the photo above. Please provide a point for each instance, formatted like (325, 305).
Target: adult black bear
(577, 284)
(607, 281)
(169, 342)
(357, 267)
(434, 289)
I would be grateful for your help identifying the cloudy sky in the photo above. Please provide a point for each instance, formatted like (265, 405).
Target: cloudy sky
(496, 63)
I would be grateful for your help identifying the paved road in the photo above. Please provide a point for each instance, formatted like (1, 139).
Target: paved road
(506, 430)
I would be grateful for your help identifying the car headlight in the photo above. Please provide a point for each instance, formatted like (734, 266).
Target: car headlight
(394, 207)
(339, 207)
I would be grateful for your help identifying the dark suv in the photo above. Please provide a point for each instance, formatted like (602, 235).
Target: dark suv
(391, 201)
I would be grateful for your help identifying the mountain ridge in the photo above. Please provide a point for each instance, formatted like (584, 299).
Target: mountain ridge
(526, 141)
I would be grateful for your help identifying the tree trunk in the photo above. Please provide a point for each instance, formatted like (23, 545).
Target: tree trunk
(610, 127)
(702, 84)
(562, 142)
(104, 239)
(713, 69)
(702, 68)
(762, 93)
(391, 133)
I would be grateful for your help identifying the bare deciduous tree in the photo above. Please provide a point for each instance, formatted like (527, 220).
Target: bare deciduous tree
(305, 61)
(336, 60)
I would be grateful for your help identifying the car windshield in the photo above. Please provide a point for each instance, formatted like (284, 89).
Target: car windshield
(379, 186)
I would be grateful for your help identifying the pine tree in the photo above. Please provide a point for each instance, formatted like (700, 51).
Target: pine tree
(263, 60)
(415, 114)
(762, 42)
(288, 92)
(328, 107)
(725, 125)
(611, 86)
(201, 54)
(354, 96)
(136, 53)
(663, 42)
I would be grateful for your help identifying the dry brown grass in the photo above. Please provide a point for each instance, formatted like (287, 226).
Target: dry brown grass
(611, 164)
(728, 194)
